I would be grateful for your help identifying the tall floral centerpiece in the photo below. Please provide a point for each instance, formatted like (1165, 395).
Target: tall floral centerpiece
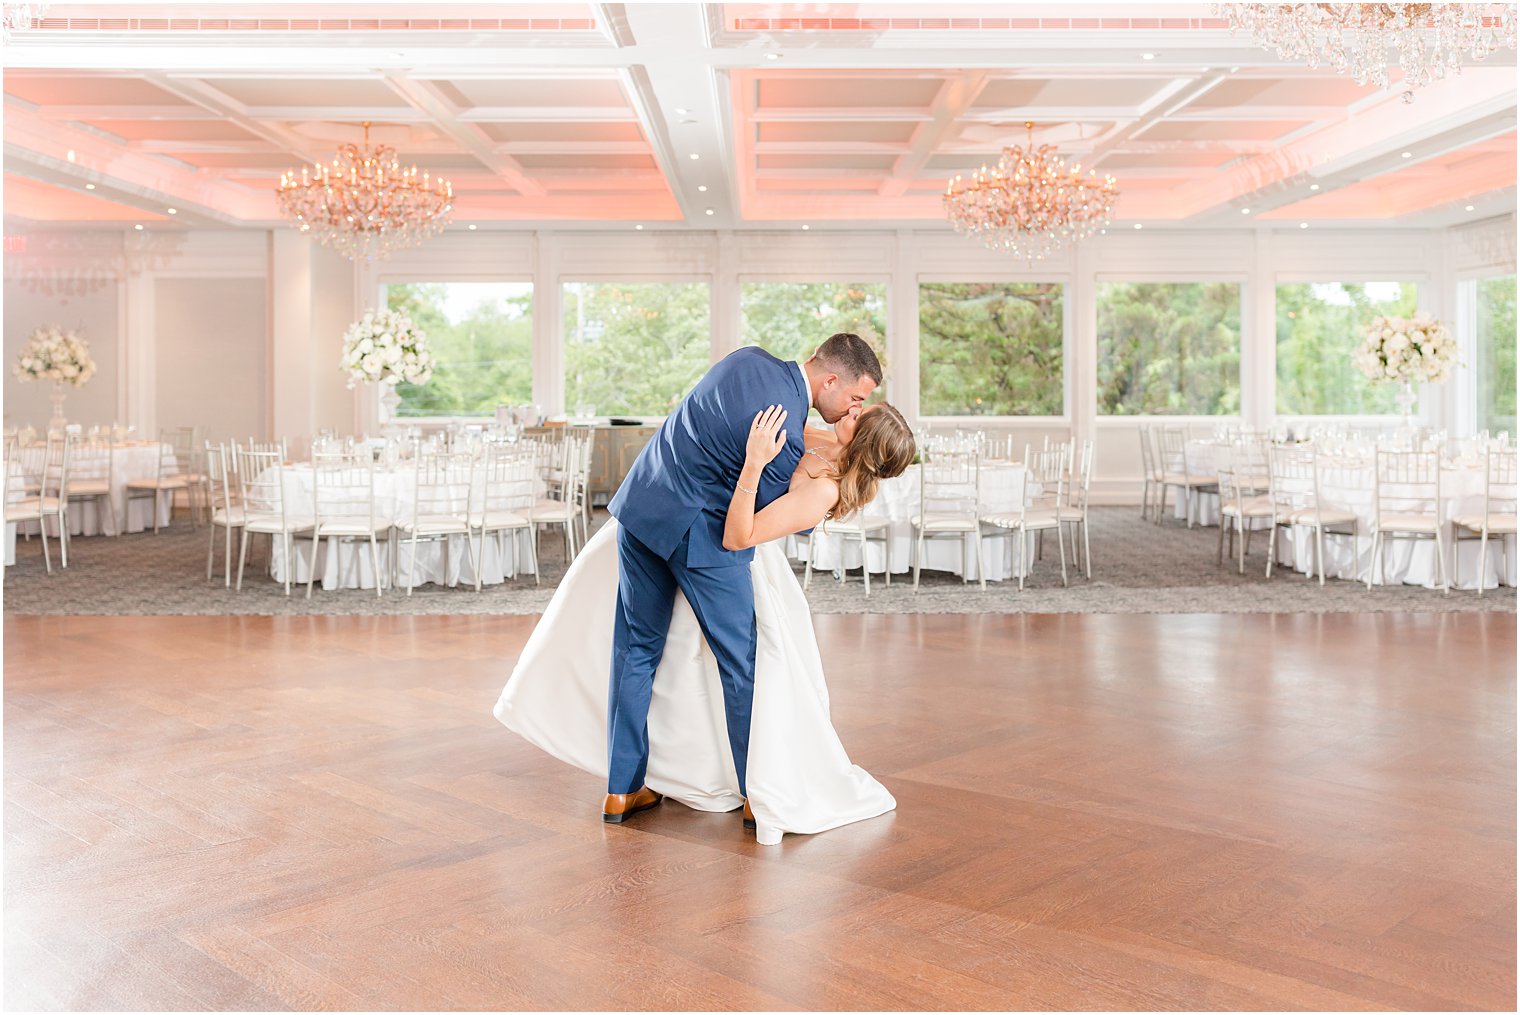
(63, 357)
(1408, 351)
(385, 348)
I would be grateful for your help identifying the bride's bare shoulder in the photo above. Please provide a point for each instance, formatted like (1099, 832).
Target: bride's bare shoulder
(813, 437)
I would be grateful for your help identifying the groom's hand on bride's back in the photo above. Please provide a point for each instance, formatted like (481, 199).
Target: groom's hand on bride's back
(766, 438)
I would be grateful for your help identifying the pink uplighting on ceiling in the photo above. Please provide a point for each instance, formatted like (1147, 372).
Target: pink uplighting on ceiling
(30, 199)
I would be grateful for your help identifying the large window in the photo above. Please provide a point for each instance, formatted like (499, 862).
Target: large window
(482, 336)
(1168, 348)
(990, 349)
(1319, 327)
(633, 348)
(1496, 353)
(789, 319)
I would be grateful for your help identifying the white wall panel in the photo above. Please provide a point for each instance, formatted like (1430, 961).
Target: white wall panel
(210, 344)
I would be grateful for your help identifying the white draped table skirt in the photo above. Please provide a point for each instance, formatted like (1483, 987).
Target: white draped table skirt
(440, 560)
(897, 501)
(1348, 486)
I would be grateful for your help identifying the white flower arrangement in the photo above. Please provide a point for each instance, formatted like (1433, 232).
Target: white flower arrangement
(1417, 348)
(53, 354)
(384, 346)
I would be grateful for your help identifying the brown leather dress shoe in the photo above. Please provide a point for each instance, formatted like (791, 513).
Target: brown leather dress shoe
(749, 817)
(621, 806)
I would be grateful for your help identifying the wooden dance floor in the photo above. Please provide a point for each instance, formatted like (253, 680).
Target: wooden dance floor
(1154, 812)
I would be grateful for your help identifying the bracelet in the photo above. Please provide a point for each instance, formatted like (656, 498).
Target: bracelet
(744, 488)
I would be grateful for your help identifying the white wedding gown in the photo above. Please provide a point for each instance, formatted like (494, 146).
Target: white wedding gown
(800, 779)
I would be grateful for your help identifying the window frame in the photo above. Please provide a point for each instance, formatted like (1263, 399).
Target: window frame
(1067, 281)
(1239, 279)
(382, 299)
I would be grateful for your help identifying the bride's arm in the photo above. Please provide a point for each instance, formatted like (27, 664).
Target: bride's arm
(802, 507)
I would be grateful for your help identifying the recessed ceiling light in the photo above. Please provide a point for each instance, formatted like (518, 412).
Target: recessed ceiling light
(1303, 225)
(71, 155)
(138, 226)
(1313, 186)
(1139, 226)
(639, 226)
(682, 112)
(709, 211)
(694, 156)
(1470, 208)
(773, 56)
(1147, 56)
(1406, 155)
(1245, 211)
(473, 226)
(89, 186)
(702, 187)
(806, 227)
(172, 211)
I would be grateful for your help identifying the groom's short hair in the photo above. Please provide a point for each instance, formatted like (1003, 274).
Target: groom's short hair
(849, 356)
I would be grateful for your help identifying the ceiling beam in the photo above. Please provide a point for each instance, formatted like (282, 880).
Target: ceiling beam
(955, 97)
(426, 98)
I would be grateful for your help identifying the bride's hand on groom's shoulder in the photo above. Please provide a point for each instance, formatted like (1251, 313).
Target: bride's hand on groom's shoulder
(766, 438)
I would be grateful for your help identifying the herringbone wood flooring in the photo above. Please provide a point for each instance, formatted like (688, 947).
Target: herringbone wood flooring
(1094, 812)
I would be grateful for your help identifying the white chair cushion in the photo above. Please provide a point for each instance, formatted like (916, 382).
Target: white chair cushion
(350, 527)
(1251, 507)
(853, 526)
(232, 516)
(554, 511)
(1071, 514)
(1398, 522)
(435, 525)
(1042, 518)
(1500, 523)
(274, 524)
(1327, 516)
(162, 483)
(1187, 479)
(945, 523)
(89, 487)
(499, 520)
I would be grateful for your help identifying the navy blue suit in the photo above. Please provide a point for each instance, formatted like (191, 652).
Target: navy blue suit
(671, 510)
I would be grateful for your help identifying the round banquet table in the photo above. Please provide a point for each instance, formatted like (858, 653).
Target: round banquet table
(1346, 483)
(137, 460)
(897, 501)
(440, 560)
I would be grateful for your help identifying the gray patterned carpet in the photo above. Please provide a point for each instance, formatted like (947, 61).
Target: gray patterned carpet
(1138, 568)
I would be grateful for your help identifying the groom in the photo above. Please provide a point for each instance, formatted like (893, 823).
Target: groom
(671, 509)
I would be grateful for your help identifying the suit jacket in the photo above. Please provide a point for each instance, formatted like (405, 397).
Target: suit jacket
(684, 478)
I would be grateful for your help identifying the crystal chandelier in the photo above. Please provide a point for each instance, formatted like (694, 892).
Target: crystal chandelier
(1431, 39)
(364, 205)
(19, 15)
(1030, 205)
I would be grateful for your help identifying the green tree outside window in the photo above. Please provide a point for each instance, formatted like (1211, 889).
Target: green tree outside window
(1168, 348)
(633, 348)
(482, 336)
(990, 349)
(1319, 326)
(1496, 353)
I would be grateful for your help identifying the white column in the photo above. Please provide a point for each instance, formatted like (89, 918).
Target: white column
(291, 360)
(548, 349)
(139, 365)
(902, 326)
(1258, 325)
(1082, 351)
(727, 326)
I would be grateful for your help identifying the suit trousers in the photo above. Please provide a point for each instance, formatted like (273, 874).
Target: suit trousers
(723, 599)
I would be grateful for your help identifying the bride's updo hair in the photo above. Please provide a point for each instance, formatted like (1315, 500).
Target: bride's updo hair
(883, 447)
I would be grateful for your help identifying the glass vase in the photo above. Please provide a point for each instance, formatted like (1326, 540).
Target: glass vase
(59, 421)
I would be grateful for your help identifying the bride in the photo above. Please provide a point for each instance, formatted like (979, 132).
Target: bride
(799, 777)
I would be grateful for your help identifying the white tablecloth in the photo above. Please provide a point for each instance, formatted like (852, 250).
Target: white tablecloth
(441, 561)
(139, 460)
(1347, 484)
(897, 501)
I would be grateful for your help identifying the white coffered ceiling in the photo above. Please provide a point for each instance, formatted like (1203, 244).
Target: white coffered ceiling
(766, 114)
